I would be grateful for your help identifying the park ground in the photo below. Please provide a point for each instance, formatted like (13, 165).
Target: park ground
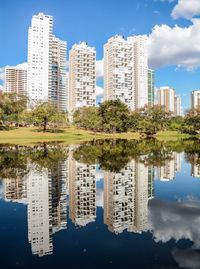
(71, 135)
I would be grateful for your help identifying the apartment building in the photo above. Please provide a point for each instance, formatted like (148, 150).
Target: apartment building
(151, 87)
(15, 80)
(195, 99)
(166, 97)
(47, 65)
(82, 76)
(126, 70)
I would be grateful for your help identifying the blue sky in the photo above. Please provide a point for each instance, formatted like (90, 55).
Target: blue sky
(96, 21)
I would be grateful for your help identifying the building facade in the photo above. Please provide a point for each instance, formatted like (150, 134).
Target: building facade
(15, 80)
(47, 66)
(151, 85)
(166, 97)
(126, 70)
(195, 99)
(82, 76)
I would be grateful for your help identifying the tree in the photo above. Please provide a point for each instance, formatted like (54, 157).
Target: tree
(114, 115)
(153, 119)
(192, 121)
(87, 118)
(11, 105)
(46, 113)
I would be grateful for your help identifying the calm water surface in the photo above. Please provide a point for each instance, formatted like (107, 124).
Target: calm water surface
(104, 204)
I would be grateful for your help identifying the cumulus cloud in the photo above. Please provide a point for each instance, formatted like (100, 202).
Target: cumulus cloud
(99, 69)
(186, 9)
(175, 220)
(187, 258)
(99, 91)
(2, 70)
(175, 46)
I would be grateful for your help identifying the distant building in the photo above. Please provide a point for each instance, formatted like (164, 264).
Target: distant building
(195, 99)
(166, 97)
(151, 90)
(82, 76)
(15, 80)
(126, 70)
(177, 105)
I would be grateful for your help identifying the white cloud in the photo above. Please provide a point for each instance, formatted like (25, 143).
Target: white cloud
(186, 9)
(175, 220)
(99, 69)
(175, 46)
(99, 91)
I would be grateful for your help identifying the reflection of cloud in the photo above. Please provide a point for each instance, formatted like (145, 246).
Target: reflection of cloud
(175, 220)
(99, 197)
(187, 258)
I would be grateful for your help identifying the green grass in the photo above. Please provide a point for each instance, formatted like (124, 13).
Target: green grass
(23, 136)
(171, 135)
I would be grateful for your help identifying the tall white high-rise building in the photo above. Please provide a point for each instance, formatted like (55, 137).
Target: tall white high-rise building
(126, 70)
(195, 99)
(58, 93)
(15, 80)
(40, 58)
(82, 76)
(47, 66)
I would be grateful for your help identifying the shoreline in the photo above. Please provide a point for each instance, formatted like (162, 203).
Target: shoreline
(72, 135)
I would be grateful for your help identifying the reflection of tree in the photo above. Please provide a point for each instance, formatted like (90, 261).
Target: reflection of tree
(48, 157)
(113, 155)
(13, 160)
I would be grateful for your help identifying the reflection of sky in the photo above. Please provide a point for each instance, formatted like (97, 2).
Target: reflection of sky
(183, 186)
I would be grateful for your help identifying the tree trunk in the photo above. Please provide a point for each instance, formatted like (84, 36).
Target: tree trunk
(45, 125)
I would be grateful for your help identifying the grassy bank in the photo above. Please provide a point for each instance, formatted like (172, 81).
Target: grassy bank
(23, 136)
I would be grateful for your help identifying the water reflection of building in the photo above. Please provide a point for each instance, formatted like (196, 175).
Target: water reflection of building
(39, 191)
(15, 189)
(82, 192)
(44, 191)
(47, 206)
(126, 198)
(170, 168)
(195, 166)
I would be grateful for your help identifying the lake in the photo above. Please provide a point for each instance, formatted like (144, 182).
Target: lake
(101, 204)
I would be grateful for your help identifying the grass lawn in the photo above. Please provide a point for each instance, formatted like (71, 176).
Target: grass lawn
(171, 135)
(24, 136)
